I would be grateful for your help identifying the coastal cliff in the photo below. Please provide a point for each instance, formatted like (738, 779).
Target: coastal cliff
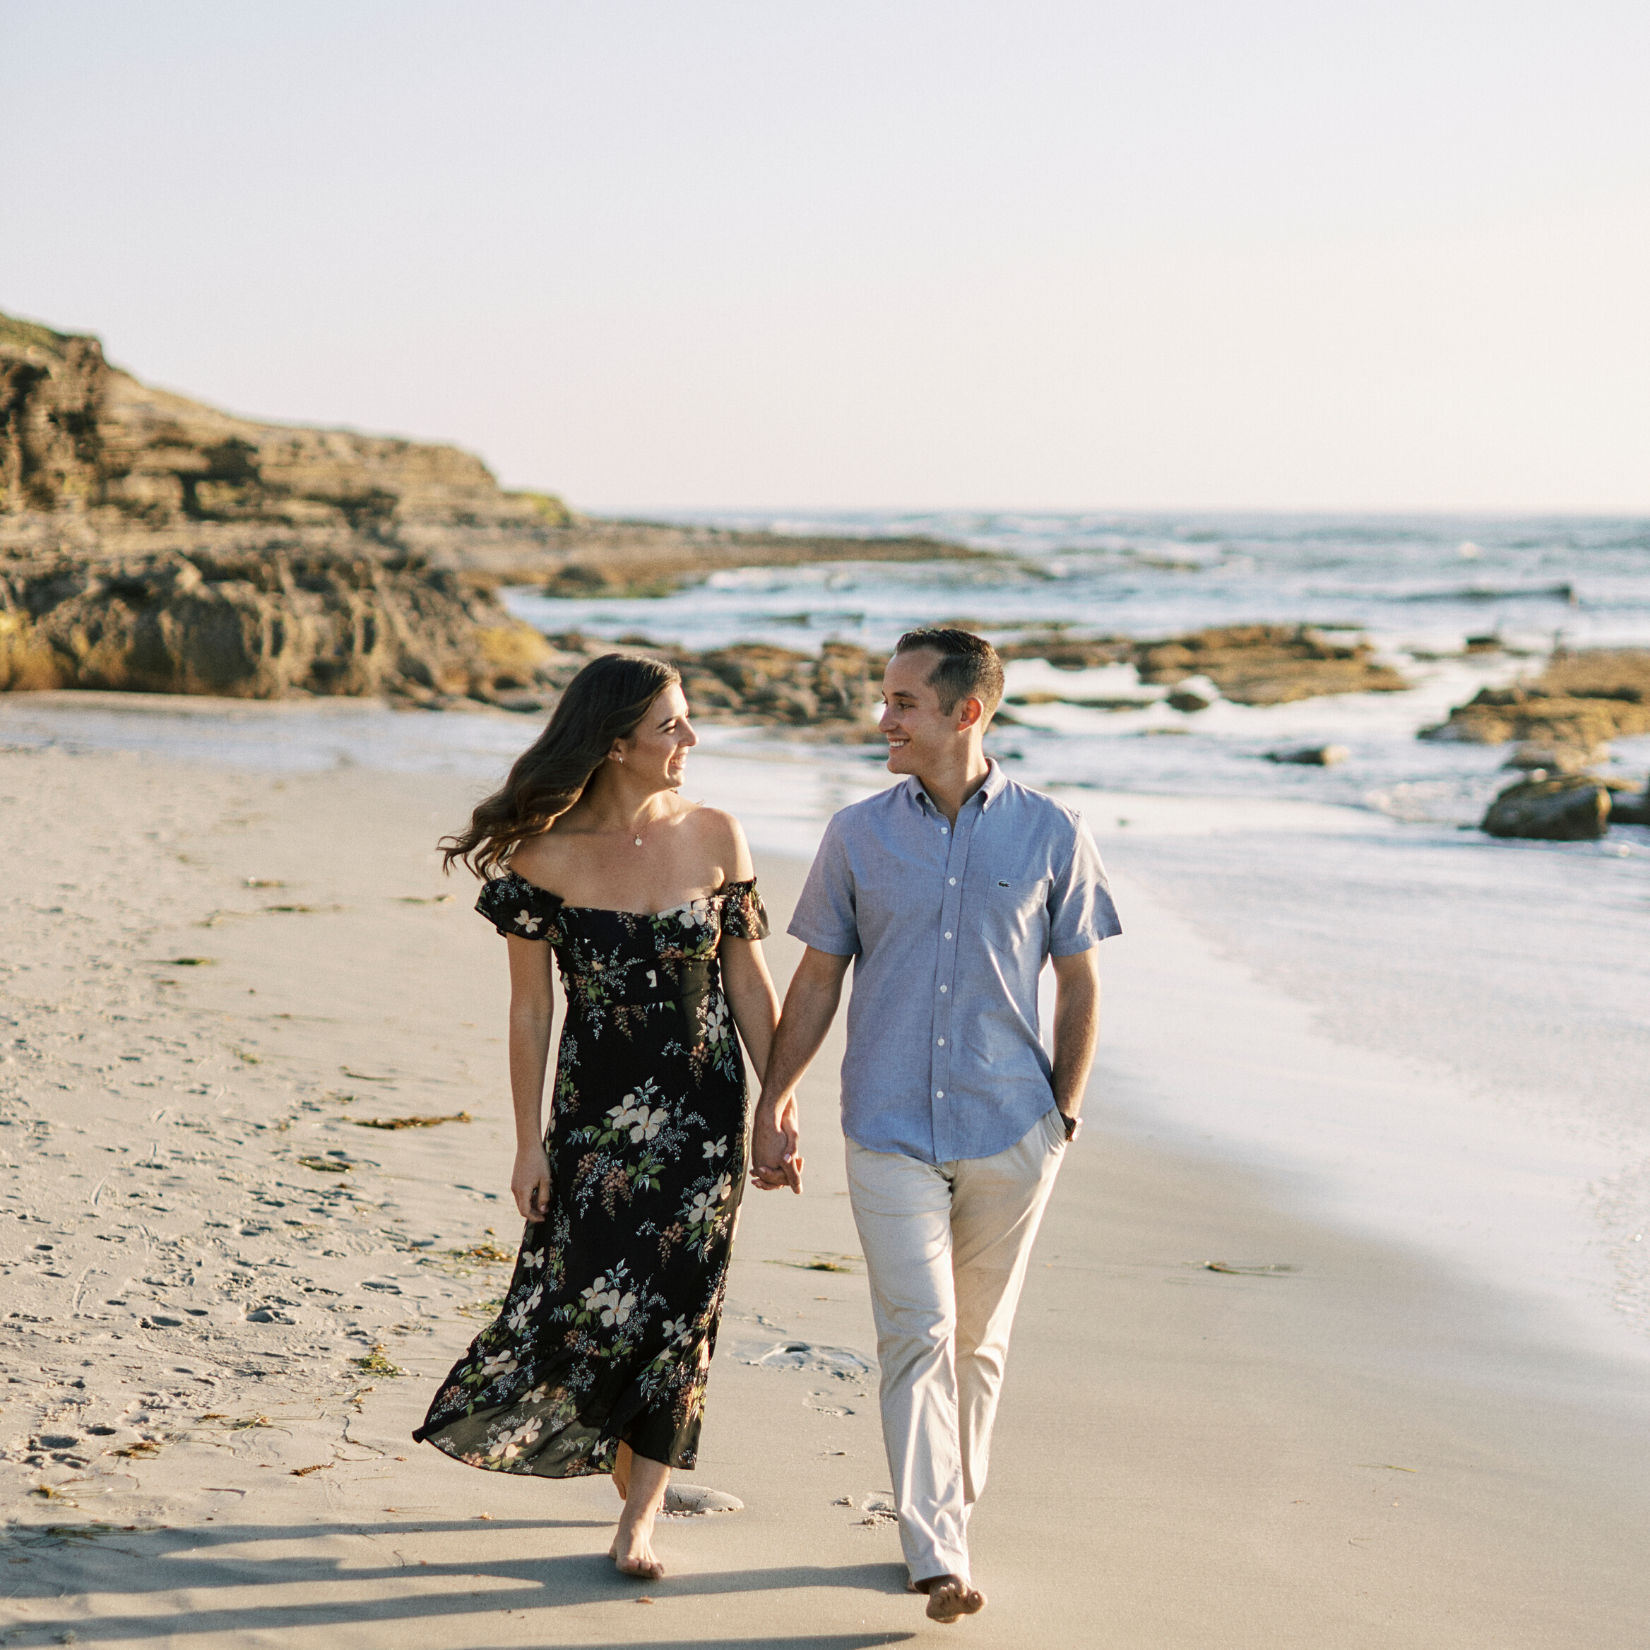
(154, 544)
(100, 467)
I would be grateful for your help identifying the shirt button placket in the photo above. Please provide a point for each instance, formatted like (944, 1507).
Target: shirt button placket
(956, 859)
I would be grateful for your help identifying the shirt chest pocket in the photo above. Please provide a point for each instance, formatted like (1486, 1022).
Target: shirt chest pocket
(1014, 912)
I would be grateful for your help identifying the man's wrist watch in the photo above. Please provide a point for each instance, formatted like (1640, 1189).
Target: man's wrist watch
(1073, 1126)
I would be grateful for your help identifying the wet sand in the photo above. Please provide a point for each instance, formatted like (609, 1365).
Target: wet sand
(216, 1345)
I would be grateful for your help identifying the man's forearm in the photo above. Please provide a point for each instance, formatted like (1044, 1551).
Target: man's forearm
(1076, 1029)
(810, 1006)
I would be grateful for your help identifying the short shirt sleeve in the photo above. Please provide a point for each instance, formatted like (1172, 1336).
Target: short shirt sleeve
(1080, 908)
(825, 913)
(516, 907)
(743, 914)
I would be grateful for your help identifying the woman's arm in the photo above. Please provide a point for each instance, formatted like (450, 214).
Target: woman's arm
(751, 996)
(532, 1009)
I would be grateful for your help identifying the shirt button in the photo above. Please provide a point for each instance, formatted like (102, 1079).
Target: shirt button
(939, 1094)
(952, 881)
(945, 830)
(942, 1042)
(945, 988)
(948, 933)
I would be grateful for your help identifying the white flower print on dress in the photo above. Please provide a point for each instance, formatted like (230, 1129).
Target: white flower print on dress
(618, 1308)
(521, 1312)
(497, 1363)
(513, 1440)
(716, 1019)
(703, 1209)
(527, 922)
(646, 1124)
(716, 1148)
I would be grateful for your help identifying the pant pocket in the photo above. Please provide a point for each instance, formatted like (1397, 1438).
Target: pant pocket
(1054, 1126)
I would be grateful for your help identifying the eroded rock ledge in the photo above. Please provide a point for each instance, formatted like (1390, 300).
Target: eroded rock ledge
(1566, 715)
(263, 626)
(100, 467)
(1251, 664)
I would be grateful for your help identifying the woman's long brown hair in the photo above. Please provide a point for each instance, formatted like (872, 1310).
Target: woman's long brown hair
(605, 701)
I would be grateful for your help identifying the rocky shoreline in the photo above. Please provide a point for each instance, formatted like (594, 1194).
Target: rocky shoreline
(149, 543)
(1562, 721)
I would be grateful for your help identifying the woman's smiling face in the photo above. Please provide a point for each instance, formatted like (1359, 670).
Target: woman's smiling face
(658, 749)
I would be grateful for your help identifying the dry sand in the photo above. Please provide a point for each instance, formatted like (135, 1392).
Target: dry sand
(216, 1346)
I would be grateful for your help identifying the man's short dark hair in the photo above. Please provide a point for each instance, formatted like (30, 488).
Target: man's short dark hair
(968, 667)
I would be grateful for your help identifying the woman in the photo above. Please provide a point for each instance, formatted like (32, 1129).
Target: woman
(599, 1359)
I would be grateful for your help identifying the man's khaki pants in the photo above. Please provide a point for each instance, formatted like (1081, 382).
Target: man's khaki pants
(946, 1249)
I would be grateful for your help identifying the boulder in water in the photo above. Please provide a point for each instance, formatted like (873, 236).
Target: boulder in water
(1572, 808)
(1631, 809)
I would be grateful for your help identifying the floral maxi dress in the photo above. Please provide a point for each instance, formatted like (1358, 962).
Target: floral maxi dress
(607, 1332)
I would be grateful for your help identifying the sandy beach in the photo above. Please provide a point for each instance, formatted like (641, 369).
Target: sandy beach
(228, 1292)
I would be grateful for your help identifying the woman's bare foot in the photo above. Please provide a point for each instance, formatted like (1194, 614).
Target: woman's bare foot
(635, 1559)
(950, 1598)
(632, 1549)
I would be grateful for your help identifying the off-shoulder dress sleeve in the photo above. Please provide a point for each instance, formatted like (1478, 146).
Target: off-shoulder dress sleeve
(743, 916)
(514, 906)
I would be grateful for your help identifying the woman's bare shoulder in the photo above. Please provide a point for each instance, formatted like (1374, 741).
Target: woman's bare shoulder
(723, 838)
(540, 858)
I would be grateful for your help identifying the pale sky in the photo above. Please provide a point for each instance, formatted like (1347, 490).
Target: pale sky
(1292, 254)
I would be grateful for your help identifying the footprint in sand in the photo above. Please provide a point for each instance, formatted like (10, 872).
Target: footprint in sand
(812, 1401)
(695, 1500)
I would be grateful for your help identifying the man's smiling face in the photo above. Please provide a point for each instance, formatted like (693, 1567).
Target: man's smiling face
(918, 732)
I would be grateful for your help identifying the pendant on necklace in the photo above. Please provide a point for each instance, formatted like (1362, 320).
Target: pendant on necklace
(638, 842)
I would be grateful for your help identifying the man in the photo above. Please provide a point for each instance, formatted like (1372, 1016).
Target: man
(948, 892)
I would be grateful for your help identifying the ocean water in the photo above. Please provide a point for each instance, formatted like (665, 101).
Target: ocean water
(1416, 587)
(1421, 581)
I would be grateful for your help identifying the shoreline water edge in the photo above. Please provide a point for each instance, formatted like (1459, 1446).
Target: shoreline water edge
(1514, 1150)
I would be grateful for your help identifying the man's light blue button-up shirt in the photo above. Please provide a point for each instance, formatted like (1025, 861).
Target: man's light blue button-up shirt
(949, 930)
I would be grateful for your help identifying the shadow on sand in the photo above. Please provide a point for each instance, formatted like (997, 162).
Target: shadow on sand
(116, 1572)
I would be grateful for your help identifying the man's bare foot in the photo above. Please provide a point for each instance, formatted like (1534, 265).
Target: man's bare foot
(950, 1598)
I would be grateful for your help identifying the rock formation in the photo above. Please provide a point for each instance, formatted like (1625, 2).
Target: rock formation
(1578, 703)
(263, 626)
(150, 543)
(835, 690)
(1631, 808)
(1573, 808)
(1251, 664)
(95, 465)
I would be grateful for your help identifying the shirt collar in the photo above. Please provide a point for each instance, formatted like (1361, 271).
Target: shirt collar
(995, 782)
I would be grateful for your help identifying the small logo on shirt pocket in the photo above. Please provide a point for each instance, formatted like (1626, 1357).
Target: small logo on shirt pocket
(1001, 883)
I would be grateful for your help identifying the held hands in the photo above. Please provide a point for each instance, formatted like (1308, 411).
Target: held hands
(775, 1161)
(530, 1182)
